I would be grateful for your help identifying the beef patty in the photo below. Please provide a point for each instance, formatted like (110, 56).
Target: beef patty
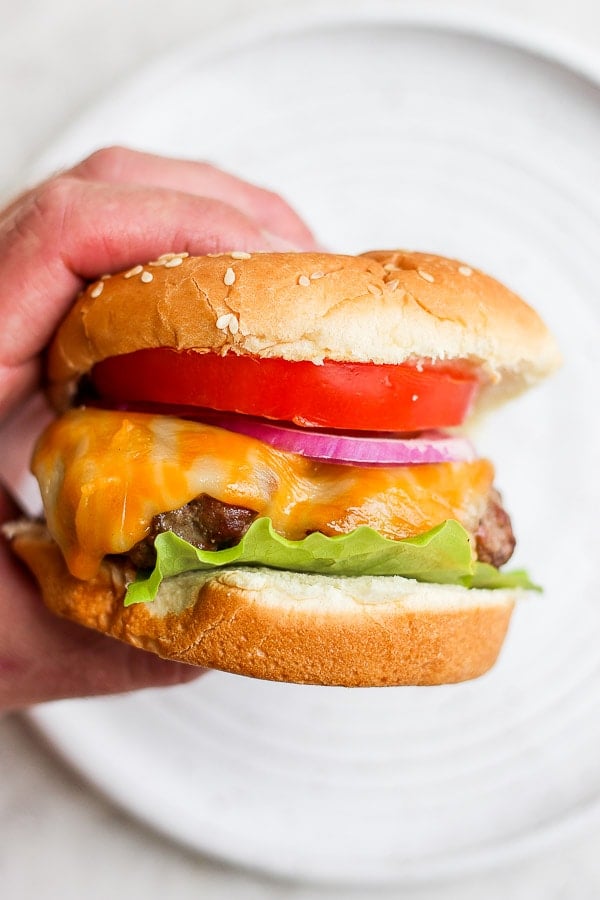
(211, 525)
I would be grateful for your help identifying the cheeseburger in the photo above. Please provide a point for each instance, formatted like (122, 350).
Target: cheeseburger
(257, 465)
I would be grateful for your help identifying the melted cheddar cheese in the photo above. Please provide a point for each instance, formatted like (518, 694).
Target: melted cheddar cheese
(104, 475)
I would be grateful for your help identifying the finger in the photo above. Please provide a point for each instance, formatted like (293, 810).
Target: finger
(70, 661)
(18, 435)
(8, 508)
(44, 658)
(70, 230)
(119, 165)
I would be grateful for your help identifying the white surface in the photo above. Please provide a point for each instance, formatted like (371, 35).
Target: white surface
(460, 151)
(515, 750)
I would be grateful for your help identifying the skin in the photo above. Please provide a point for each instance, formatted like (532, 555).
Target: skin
(115, 209)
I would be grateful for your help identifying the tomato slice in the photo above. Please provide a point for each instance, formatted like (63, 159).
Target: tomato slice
(342, 395)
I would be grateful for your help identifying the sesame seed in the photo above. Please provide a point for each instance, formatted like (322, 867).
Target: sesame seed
(419, 367)
(166, 256)
(240, 254)
(316, 275)
(414, 397)
(389, 267)
(135, 271)
(228, 321)
(465, 270)
(147, 277)
(183, 255)
(229, 277)
(157, 262)
(104, 277)
(426, 276)
(392, 285)
(373, 289)
(175, 261)
(97, 290)
(304, 281)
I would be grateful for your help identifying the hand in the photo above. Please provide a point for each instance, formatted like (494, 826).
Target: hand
(113, 210)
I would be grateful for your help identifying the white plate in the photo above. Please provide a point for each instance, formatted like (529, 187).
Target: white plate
(385, 131)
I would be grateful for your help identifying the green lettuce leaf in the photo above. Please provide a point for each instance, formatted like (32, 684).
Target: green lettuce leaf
(441, 555)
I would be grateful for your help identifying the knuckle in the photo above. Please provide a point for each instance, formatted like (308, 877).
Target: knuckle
(45, 209)
(106, 162)
(53, 195)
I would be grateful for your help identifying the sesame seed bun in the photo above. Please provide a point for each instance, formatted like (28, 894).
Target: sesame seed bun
(381, 307)
(311, 629)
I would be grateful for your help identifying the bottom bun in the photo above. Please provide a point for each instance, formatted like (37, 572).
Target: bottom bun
(285, 626)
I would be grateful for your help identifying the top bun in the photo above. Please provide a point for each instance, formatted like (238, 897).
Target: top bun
(381, 307)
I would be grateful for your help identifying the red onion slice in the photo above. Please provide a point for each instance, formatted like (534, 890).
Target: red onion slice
(387, 449)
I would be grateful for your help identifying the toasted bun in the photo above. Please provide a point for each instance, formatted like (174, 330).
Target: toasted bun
(283, 626)
(382, 307)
